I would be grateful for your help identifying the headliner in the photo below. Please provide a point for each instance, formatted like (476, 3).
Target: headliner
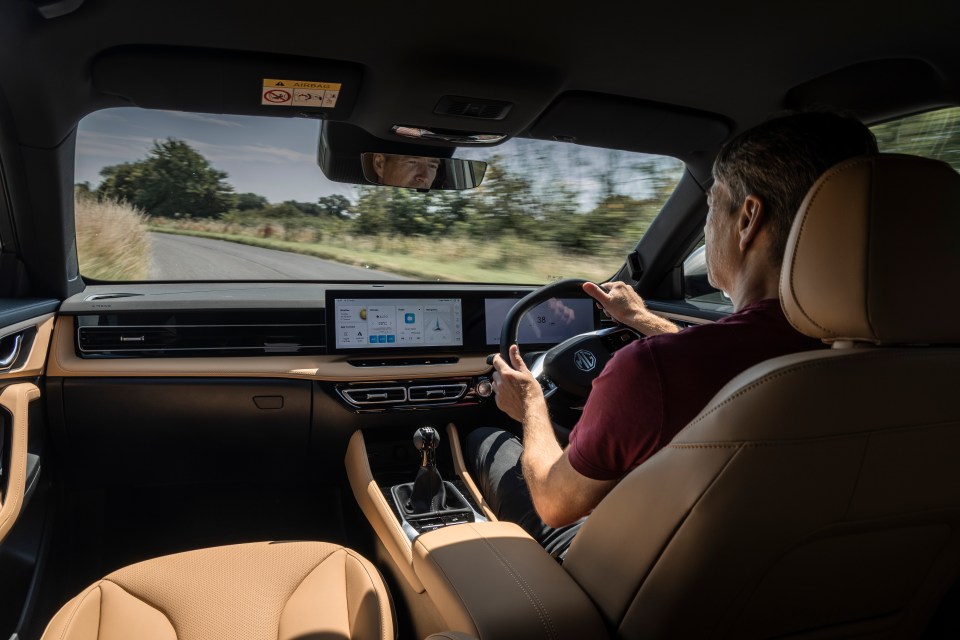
(739, 61)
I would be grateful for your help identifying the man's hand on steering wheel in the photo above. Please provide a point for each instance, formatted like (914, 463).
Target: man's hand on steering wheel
(621, 302)
(516, 388)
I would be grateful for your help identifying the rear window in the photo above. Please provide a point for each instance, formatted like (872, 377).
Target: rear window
(184, 196)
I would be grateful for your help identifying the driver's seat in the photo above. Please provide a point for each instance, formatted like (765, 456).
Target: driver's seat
(818, 494)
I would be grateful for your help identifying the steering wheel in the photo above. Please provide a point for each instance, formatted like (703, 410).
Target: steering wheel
(566, 371)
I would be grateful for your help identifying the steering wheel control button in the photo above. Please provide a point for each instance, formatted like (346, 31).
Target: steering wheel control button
(484, 388)
(548, 386)
(585, 360)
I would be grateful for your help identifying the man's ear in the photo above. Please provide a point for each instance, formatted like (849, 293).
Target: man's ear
(378, 161)
(751, 219)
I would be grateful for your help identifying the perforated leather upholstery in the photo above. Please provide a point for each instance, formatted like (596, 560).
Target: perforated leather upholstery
(817, 494)
(874, 236)
(260, 591)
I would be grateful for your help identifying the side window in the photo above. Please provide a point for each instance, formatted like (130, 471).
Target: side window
(934, 134)
(696, 288)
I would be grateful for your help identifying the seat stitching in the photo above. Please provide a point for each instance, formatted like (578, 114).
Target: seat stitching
(16, 501)
(66, 627)
(822, 362)
(303, 579)
(673, 535)
(803, 224)
(863, 462)
(146, 602)
(528, 591)
(369, 577)
(773, 376)
(439, 568)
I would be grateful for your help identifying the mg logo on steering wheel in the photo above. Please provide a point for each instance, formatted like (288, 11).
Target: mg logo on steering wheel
(585, 360)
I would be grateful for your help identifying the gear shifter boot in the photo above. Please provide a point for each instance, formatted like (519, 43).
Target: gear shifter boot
(429, 492)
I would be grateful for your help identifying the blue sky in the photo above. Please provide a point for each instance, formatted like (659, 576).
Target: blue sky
(276, 157)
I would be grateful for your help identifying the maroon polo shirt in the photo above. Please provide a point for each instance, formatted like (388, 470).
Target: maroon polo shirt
(653, 387)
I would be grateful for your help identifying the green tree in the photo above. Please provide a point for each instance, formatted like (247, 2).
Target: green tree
(249, 201)
(82, 190)
(334, 206)
(369, 214)
(174, 179)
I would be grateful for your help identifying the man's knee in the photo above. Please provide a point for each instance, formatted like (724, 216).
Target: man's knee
(482, 445)
(474, 443)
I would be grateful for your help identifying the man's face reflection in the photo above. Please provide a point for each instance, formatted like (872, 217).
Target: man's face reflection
(406, 171)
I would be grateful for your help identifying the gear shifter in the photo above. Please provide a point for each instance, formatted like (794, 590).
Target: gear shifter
(429, 502)
(429, 493)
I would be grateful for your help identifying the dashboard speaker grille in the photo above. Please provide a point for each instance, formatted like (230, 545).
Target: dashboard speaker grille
(185, 335)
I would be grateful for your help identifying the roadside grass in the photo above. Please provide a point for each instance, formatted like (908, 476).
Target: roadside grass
(112, 241)
(507, 260)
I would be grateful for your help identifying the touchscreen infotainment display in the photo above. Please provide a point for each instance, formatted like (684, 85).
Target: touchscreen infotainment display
(549, 323)
(371, 323)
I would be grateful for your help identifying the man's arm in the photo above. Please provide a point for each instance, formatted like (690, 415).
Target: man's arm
(560, 494)
(622, 303)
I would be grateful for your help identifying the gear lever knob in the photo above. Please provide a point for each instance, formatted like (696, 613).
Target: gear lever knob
(426, 440)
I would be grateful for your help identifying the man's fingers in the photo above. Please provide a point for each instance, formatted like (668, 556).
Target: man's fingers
(518, 362)
(595, 292)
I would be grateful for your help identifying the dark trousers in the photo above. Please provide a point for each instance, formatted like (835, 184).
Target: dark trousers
(493, 459)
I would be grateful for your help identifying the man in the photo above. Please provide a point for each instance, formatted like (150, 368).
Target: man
(405, 171)
(653, 387)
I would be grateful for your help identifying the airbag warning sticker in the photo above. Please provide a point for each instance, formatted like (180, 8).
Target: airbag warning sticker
(299, 93)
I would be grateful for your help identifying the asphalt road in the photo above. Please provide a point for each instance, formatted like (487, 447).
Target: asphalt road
(188, 258)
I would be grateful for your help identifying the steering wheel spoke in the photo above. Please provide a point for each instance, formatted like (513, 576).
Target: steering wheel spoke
(565, 372)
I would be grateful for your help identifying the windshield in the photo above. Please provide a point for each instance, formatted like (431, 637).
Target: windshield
(181, 196)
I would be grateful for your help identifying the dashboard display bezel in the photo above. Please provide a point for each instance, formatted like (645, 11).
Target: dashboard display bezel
(472, 314)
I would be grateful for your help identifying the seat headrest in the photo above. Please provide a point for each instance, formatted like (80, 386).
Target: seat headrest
(874, 253)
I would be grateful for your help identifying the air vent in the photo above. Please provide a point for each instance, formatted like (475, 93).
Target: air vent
(147, 335)
(473, 108)
(405, 395)
(437, 393)
(375, 395)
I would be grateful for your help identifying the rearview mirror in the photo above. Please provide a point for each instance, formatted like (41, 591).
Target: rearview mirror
(422, 172)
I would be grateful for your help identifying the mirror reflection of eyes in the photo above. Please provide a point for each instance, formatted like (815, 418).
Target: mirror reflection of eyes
(416, 171)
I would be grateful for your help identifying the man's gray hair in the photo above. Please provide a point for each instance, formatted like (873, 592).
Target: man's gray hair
(778, 161)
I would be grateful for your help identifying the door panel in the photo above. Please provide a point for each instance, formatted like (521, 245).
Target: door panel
(24, 344)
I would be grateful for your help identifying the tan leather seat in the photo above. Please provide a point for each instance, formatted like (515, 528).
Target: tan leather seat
(817, 494)
(269, 590)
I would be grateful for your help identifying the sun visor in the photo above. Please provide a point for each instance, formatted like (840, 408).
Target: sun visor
(615, 122)
(210, 81)
(341, 145)
(875, 90)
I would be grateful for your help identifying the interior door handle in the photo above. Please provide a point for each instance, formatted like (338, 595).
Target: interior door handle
(10, 350)
(16, 399)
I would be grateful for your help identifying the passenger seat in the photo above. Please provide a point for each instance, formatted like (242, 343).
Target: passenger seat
(264, 590)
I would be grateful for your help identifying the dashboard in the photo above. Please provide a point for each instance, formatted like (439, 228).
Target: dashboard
(163, 383)
(359, 322)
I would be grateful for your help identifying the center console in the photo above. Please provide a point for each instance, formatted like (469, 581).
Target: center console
(455, 567)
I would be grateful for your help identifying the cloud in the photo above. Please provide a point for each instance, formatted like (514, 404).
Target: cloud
(259, 153)
(207, 119)
(115, 147)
